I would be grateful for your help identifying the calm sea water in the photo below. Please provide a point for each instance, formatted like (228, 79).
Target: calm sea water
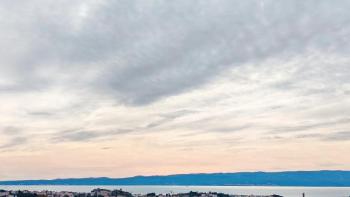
(284, 191)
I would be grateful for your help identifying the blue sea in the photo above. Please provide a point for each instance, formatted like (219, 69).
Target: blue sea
(246, 190)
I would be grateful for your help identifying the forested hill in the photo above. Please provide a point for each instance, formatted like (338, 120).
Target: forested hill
(288, 178)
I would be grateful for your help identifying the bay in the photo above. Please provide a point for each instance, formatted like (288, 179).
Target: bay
(246, 190)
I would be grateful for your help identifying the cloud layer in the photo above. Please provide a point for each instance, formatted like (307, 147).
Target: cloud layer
(225, 78)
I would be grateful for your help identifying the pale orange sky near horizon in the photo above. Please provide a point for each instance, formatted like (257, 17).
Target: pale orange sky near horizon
(115, 89)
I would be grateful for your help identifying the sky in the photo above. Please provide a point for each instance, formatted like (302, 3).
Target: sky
(92, 88)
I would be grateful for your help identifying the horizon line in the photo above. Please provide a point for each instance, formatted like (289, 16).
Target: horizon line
(176, 174)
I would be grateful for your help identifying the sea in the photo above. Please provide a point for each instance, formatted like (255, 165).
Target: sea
(243, 190)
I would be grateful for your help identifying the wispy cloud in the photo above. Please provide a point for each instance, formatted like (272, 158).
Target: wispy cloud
(10, 130)
(338, 136)
(14, 142)
(86, 135)
(308, 126)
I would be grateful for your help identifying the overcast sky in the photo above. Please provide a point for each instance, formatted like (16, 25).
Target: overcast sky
(123, 88)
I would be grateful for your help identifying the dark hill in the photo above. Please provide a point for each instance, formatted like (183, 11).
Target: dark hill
(289, 178)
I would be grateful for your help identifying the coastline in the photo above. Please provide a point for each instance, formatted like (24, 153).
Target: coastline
(243, 190)
(117, 193)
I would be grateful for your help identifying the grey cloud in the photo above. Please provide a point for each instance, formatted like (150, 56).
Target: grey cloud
(79, 135)
(297, 128)
(157, 123)
(306, 126)
(331, 136)
(142, 52)
(10, 130)
(85, 135)
(177, 114)
(16, 141)
(41, 113)
(220, 41)
(338, 136)
(230, 129)
(274, 137)
(168, 117)
(310, 135)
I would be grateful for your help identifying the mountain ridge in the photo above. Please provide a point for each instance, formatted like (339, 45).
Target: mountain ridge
(322, 178)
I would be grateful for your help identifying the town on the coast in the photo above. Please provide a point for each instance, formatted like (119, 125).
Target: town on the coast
(115, 193)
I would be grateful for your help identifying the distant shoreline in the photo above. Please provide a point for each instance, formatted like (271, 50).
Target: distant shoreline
(277, 186)
(325, 178)
(117, 193)
(230, 190)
